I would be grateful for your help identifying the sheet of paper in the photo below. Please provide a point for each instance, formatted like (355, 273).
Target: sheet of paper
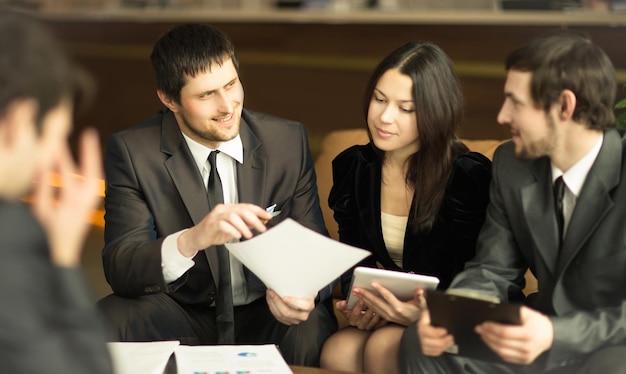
(294, 260)
(249, 359)
(141, 357)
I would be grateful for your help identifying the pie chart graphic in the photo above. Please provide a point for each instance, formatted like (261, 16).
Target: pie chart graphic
(247, 354)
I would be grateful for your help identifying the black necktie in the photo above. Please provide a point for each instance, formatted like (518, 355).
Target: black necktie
(559, 191)
(225, 321)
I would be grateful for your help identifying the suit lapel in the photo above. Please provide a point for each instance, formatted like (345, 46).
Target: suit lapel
(367, 195)
(594, 201)
(538, 209)
(251, 174)
(183, 171)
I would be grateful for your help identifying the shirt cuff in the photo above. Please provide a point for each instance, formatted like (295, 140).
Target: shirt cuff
(173, 263)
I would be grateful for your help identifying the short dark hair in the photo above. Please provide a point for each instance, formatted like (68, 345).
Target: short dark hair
(187, 50)
(569, 61)
(439, 108)
(34, 66)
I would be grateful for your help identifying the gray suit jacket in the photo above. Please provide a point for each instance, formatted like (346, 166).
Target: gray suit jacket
(48, 321)
(154, 188)
(584, 288)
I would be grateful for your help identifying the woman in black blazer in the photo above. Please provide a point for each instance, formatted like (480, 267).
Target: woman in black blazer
(415, 197)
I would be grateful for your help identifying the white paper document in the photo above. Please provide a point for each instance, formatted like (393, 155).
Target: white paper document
(249, 359)
(294, 260)
(141, 357)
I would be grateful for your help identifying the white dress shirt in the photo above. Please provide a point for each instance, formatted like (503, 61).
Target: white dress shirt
(574, 179)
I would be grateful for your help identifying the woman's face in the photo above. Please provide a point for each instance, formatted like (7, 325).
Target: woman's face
(391, 117)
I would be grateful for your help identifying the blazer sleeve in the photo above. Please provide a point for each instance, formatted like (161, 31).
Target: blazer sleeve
(342, 201)
(498, 267)
(462, 215)
(341, 198)
(132, 252)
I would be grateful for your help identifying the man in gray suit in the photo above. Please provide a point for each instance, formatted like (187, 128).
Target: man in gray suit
(48, 322)
(559, 97)
(161, 231)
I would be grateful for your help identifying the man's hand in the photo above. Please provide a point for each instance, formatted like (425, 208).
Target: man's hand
(387, 305)
(434, 340)
(289, 310)
(520, 344)
(223, 223)
(66, 215)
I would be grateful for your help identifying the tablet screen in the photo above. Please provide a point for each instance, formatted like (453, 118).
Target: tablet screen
(402, 285)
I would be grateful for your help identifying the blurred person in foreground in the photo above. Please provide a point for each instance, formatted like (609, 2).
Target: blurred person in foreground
(559, 96)
(48, 321)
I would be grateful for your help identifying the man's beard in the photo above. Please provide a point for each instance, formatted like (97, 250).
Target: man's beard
(542, 147)
(212, 135)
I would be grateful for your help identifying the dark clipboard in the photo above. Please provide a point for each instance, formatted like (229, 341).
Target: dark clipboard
(460, 314)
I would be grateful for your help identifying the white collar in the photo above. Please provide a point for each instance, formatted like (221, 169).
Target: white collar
(200, 153)
(575, 177)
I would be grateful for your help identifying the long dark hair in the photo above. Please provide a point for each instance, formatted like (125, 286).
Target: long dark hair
(439, 105)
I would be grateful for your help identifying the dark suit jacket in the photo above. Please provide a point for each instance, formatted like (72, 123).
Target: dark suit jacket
(442, 252)
(48, 322)
(583, 289)
(154, 188)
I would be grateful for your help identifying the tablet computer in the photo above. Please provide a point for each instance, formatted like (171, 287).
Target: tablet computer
(459, 311)
(402, 285)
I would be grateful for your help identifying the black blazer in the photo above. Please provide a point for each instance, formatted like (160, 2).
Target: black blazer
(48, 320)
(154, 188)
(442, 252)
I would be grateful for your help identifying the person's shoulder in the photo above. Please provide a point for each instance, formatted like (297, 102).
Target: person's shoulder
(470, 160)
(17, 225)
(260, 119)
(470, 171)
(506, 152)
(13, 209)
(359, 153)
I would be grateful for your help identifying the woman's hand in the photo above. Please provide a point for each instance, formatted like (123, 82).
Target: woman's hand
(388, 307)
(360, 316)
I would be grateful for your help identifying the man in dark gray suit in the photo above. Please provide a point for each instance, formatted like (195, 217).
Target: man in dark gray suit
(559, 97)
(48, 322)
(161, 231)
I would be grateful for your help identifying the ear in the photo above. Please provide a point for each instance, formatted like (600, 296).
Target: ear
(167, 101)
(567, 102)
(19, 116)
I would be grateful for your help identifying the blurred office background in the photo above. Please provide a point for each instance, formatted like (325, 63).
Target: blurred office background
(309, 60)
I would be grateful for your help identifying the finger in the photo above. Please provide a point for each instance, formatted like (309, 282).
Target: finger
(367, 320)
(357, 312)
(374, 321)
(387, 295)
(341, 305)
(300, 304)
(283, 312)
(369, 298)
(235, 217)
(225, 232)
(90, 156)
(257, 217)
